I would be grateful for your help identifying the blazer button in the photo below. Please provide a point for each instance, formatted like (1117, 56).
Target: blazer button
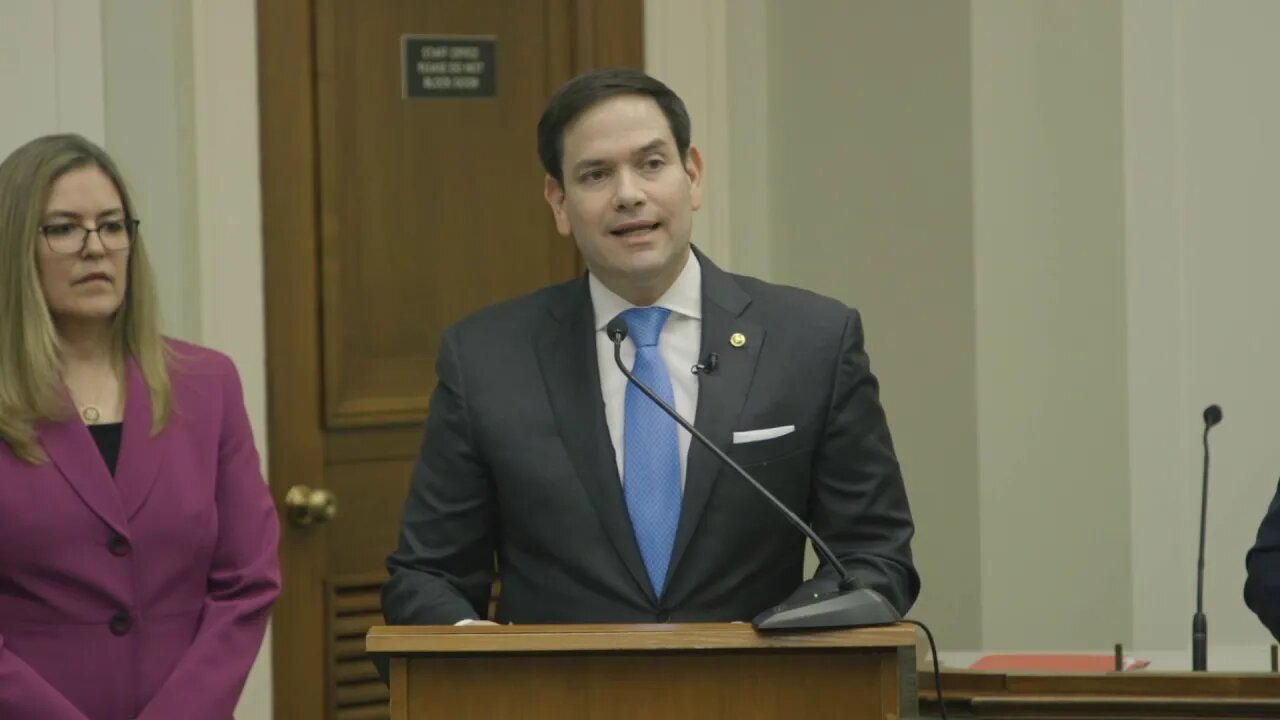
(118, 545)
(664, 616)
(121, 623)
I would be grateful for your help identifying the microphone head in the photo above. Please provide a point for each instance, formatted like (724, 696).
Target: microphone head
(1212, 416)
(616, 329)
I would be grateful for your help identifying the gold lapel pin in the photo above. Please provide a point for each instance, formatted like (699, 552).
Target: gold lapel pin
(737, 339)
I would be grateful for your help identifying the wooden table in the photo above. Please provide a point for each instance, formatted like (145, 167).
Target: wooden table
(1129, 695)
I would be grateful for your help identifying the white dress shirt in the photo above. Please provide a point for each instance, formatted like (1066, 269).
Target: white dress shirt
(679, 343)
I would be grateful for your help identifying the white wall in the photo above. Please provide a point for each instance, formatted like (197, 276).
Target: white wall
(1049, 246)
(51, 72)
(870, 201)
(747, 60)
(150, 131)
(685, 48)
(1123, 165)
(224, 47)
(714, 54)
(1201, 159)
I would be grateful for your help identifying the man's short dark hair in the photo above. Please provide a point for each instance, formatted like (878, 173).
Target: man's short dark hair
(585, 91)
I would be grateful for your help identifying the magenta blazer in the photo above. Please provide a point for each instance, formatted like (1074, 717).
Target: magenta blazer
(145, 595)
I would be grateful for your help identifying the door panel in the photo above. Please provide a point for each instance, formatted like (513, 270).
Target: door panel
(386, 220)
(366, 491)
(430, 208)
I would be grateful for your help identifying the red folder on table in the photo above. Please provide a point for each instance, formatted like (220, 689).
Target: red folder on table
(1055, 662)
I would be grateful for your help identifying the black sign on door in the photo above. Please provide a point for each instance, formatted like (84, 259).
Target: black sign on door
(449, 66)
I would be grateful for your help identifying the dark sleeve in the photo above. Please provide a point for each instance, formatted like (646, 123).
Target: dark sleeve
(1262, 567)
(859, 502)
(443, 567)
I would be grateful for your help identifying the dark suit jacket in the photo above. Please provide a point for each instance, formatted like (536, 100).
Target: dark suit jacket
(516, 459)
(1262, 585)
(143, 595)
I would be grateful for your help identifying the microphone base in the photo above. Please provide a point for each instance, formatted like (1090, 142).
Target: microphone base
(852, 609)
(1199, 643)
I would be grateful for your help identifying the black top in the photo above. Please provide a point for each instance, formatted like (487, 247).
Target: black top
(107, 436)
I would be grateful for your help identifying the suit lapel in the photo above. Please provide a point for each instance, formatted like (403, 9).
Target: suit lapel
(140, 453)
(721, 394)
(567, 357)
(73, 451)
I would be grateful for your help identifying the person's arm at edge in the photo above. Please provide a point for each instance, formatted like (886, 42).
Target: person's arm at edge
(859, 501)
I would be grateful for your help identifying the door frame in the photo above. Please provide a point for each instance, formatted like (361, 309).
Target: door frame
(286, 102)
(604, 33)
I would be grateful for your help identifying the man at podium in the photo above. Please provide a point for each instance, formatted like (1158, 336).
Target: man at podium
(538, 452)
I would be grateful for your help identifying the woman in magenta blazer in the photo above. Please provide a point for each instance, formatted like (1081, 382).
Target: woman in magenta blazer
(138, 541)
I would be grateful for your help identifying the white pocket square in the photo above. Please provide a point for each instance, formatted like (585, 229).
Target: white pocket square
(750, 436)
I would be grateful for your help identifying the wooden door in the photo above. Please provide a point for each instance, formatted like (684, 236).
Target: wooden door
(385, 220)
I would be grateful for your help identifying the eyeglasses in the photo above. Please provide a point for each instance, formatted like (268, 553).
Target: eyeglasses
(71, 238)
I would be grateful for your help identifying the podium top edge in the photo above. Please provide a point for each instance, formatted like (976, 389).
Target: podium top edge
(624, 638)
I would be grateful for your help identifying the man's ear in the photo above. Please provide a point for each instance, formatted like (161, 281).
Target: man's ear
(693, 168)
(553, 191)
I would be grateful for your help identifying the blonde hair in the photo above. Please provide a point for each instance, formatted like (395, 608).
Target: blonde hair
(31, 387)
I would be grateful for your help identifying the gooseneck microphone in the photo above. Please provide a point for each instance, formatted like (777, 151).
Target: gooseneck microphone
(1199, 624)
(849, 606)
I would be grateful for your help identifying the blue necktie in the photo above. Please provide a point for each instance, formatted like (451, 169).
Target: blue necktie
(651, 454)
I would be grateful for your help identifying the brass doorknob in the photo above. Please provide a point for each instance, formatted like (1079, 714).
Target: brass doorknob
(308, 506)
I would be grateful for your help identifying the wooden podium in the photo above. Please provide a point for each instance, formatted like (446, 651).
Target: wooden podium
(647, 671)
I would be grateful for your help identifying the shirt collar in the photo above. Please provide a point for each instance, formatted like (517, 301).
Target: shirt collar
(683, 297)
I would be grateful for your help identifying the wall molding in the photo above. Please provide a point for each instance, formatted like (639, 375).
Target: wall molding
(686, 48)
